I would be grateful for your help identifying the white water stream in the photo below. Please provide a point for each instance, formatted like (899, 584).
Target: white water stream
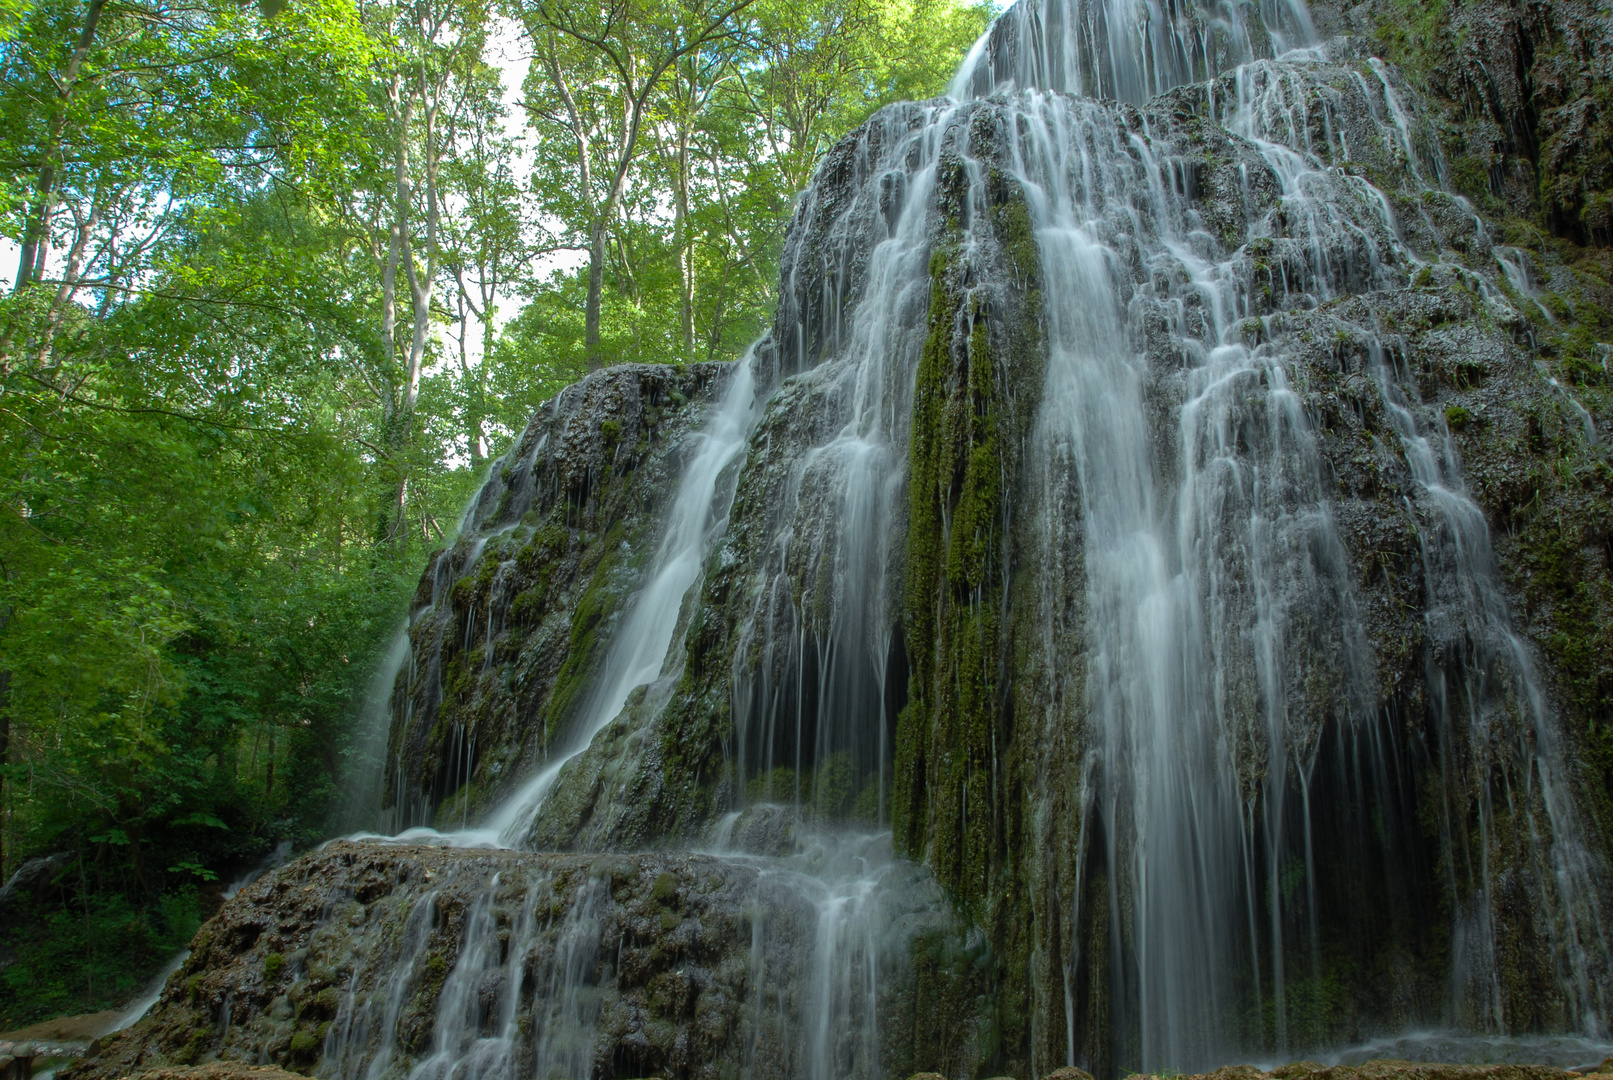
(638, 653)
(639, 650)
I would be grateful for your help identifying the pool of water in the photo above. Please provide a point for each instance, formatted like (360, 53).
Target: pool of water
(1562, 1051)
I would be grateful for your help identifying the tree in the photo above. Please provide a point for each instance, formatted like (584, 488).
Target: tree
(487, 240)
(431, 76)
(597, 74)
(686, 180)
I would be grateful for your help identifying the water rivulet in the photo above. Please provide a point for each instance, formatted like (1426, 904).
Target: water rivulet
(1072, 635)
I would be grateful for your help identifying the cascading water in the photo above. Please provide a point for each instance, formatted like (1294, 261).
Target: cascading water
(639, 652)
(1125, 50)
(1020, 545)
(365, 767)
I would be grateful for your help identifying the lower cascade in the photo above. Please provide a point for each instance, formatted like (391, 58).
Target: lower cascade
(1077, 634)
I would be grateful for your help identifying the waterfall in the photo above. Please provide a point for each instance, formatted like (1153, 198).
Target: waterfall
(1125, 50)
(1015, 570)
(639, 652)
(365, 766)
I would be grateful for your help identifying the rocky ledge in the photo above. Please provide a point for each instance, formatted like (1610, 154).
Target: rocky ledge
(218, 1070)
(658, 964)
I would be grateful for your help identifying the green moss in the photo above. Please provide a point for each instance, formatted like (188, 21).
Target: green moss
(833, 787)
(976, 390)
(665, 890)
(1470, 174)
(935, 1006)
(929, 493)
(868, 808)
(1457, 418)
(538, 561)
(528, 608)
(600, 599)
(775, 786)
(201, 1037)
(321, 1006)
(1565, 582)
(273, 964)
(468, 589)
(976, 394)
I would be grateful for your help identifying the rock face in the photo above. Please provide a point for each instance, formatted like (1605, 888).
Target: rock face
(1519, 88)
(510, 623)
(364, 959)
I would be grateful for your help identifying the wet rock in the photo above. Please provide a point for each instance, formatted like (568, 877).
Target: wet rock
(218, 1070)
(1517, 86)
(1383, 1070)
(765, 829)
(609, 966)
(33, 876)
(1399, 544)
(509, 624)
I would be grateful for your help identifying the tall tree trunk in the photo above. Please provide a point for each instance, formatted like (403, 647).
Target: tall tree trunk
(420, 284)
(84, 231)
(476, 378)
(419, 292)
(36, 226)
(394, 244)
(596, 257)
(596, 285)
(479, 448)
(685, 246)
(398, 237)
(398, 406)
(268, 775)
(585, 185)
(475, 441)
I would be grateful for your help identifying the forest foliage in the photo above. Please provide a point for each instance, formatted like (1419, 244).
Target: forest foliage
(282, 279)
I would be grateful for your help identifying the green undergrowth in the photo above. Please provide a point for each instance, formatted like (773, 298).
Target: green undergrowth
(89, 955)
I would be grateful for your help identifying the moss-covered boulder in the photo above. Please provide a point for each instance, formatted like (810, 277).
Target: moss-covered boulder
(511, 621)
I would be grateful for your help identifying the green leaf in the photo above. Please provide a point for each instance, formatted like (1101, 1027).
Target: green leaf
(200, 819)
